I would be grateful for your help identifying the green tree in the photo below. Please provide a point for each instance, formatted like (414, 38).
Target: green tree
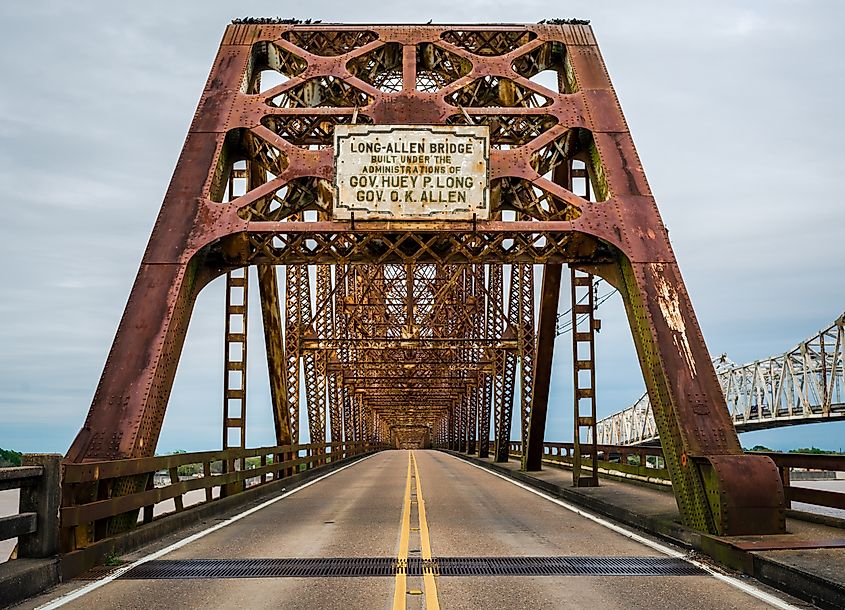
(760, 448)
(9, 457)
(813, 450)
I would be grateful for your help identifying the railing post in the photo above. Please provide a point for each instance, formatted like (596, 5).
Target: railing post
(784, 477)
(148, 511)
(209, 492)
(44, 499)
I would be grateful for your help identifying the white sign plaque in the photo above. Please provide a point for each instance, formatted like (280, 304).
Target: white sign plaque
(411, 172)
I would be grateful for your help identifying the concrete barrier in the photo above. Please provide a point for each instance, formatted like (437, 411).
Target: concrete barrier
(36, 526)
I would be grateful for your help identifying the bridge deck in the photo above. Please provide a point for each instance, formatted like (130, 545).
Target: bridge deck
(358, 512)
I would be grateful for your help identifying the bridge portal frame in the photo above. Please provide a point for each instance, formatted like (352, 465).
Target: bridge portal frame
(430, 75)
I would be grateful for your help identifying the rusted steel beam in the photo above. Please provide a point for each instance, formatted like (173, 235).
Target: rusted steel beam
(508, 361)
(268, 288)
(315, 380)
(533, 455)
(324, 326)
(527, 346)
(279, 142)
(295, 276)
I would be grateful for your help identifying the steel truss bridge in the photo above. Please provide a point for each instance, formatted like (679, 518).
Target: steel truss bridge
(804, 385)
(411, 331)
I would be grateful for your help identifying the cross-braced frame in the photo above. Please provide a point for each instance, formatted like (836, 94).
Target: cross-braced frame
(408, 329)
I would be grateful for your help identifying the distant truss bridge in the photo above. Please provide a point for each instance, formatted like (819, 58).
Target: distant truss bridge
(805, 384)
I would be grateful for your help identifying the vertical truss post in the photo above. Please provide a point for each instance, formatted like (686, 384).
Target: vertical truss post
(478, 354)
(472, 424)
(324, 330)
(462, 327)
(527, 347)
(268, 289)
(335, 400)
(455, 432)
(484, 414)
(462, 445)
(294, 276)
(490, 354)
(459, 420)
(584, 370)
(370, 426)
(496, 326)
(343, 289)
(234, 381)
(533, 455)
(825, 395)
(508, 363)
(315, 380)
(335, 379)
(486, 390)
(455, 411)
(360, 423)
(348, 419)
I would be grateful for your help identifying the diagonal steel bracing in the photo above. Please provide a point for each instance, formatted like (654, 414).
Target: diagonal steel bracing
(403, 327)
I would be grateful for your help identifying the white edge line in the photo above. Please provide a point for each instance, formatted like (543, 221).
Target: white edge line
(69, 597)
(730, 580)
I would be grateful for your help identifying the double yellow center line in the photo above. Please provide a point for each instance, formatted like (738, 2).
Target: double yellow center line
(400, 591)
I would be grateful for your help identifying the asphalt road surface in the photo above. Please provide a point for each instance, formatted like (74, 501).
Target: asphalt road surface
(414, 506)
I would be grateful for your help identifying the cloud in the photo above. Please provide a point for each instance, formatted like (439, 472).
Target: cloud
(735, 111)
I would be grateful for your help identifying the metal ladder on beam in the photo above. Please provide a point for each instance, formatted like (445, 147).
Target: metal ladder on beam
(584, 326)
(234, 380)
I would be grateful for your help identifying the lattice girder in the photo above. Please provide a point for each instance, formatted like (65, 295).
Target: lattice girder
(198, 236)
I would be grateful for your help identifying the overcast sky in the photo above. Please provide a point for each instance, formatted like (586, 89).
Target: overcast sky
(735, 107)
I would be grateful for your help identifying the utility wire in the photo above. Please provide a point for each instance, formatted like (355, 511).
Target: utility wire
(564, 325)
(581, 300)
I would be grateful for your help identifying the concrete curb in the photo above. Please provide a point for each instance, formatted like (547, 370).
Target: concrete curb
(22, 578)
(789, 579)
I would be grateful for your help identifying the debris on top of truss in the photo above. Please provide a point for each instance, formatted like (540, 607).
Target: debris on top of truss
(273, 20)
(566, 21)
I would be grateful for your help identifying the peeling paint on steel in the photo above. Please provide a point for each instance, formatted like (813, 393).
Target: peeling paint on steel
(667, 299)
